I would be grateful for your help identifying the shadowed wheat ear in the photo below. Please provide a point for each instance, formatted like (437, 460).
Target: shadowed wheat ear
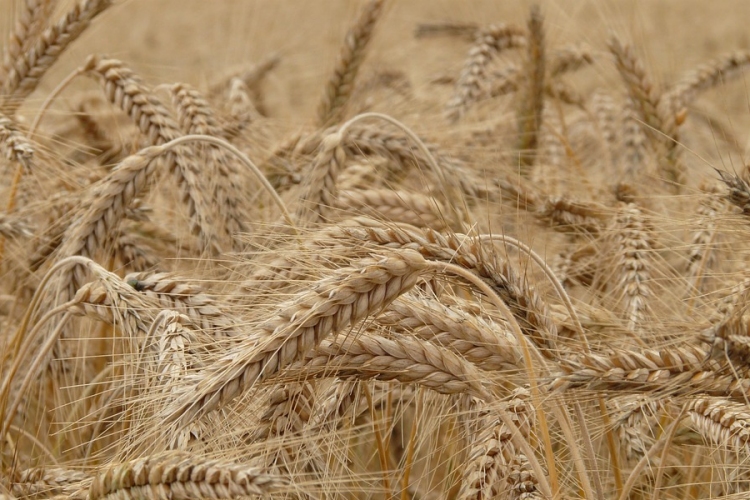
(184, 476)
(27, 69)
(331, 305)
(32, 19)
(489, 43)
(16, 148)
(634, 248)
(702, 252)
(339, 88)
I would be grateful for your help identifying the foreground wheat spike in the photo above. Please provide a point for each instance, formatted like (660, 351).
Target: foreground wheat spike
(401, 358)
(48, 481)
(494, 465)
(104, 207)
(397, 206)
(179, 475)
(739, 191)
(331, 305)
(28, 69)
(125, 90)
(339, 87)
(31, 20)
(531, 102)
(674, 371)
(633, 247)
(488, 345)
(722, 422)
(524, 301)
(173, 292)
(489, 43)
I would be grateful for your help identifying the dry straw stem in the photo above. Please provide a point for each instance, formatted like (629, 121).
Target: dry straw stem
(28, 69)
(339, 88)
(489, 43)
(332, 304)
(531, 102)
(722, 422)
(182, 476)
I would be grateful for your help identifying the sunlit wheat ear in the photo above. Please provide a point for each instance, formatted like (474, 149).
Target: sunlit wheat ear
(124, 89)
(673, 371)
(391, 205)
(41, 481)
(494, 464)
(531, 100)
(721, 422)
(490, 346)
(31, 19)
(339, 88)
(181, 475)
(707, 76)
(196, 117)
(471, 84)
(178, 294)
(334, 303)
(27, 69)
(633, 243)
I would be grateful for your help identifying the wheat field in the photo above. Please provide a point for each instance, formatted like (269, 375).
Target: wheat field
(417, 249)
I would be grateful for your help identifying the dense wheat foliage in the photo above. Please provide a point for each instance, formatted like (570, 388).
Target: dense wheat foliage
(376, 249)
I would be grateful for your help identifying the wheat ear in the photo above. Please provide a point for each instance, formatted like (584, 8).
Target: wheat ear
(28, 69)
(334, 303)
(489, 42)
(339, 88)
(183, 476)
(31, 21)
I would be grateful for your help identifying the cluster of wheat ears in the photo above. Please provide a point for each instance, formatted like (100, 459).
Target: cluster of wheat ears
(545, 297)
